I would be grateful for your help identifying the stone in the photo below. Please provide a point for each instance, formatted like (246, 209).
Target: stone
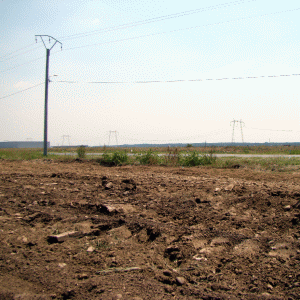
(180, 280)
(90, 249)
(59, 238)
(287, 208)
(109, 186)
(108, 209)
(62, 265)
(229, 187)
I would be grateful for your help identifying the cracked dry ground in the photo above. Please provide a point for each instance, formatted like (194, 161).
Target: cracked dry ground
(147, 232)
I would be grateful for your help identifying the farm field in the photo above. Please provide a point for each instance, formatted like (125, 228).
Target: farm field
(76, 229)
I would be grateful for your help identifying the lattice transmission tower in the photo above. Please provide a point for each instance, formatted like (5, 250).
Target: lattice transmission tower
(115, 133)
(65, 138)
(235, 123)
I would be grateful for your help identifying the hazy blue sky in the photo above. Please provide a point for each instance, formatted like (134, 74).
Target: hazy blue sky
(132, 41)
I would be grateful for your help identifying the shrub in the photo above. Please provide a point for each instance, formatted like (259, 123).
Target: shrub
(81, 152)
(115, 159)
(148, 158)
(193, 159)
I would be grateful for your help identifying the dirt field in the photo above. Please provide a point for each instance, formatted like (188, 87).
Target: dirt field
(78, 230)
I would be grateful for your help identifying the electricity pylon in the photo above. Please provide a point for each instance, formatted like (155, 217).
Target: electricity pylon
(46, 83)
(116, 136)
(235, 123)
(67, 138)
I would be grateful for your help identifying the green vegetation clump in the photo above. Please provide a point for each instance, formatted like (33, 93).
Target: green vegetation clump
(115, 159)
(295, 151)
(81, 152)
(193, 159)
(148, 158)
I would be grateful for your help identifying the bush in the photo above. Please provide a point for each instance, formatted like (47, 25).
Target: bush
(193, 159)
(81, 152)
(148, 158)
(116, 159)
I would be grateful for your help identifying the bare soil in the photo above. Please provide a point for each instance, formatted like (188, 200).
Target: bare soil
(138, 232)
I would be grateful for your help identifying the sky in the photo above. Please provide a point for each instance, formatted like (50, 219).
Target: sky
(155, 71)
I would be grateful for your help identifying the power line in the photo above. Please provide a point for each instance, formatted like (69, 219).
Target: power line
(177, 80)
(17, 55)
(22, 91)
(152, 20)
(128, 25)
(270, 129)
(153, 34)
(177, 30)
(30, 61)
(157, 81)
(17, 50)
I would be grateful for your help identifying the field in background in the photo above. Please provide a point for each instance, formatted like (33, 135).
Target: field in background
(190, 148)
(173, 156)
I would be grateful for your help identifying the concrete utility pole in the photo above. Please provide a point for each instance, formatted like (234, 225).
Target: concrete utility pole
(54, 42)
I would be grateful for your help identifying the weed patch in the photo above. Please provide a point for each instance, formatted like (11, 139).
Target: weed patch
(193, 159)
(81, 152)
(148, 158)
(115, 159)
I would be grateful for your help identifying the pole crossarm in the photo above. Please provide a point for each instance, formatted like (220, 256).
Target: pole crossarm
(50, 37)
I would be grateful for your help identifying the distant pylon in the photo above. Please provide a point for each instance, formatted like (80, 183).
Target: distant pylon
(116, 136)
(67, 138)
(235, 123)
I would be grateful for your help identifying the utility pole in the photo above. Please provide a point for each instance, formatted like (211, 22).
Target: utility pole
(54, 42)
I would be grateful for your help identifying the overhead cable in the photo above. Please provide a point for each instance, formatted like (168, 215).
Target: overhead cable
(17, 55)
(156, 19)
(177, 80)
(153, 34)
(132, 24)
(181, 29)
(22, 90)
(269, 129)
(28, 62)
(7, 54)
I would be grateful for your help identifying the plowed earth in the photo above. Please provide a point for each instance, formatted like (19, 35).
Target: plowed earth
(147, 232)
